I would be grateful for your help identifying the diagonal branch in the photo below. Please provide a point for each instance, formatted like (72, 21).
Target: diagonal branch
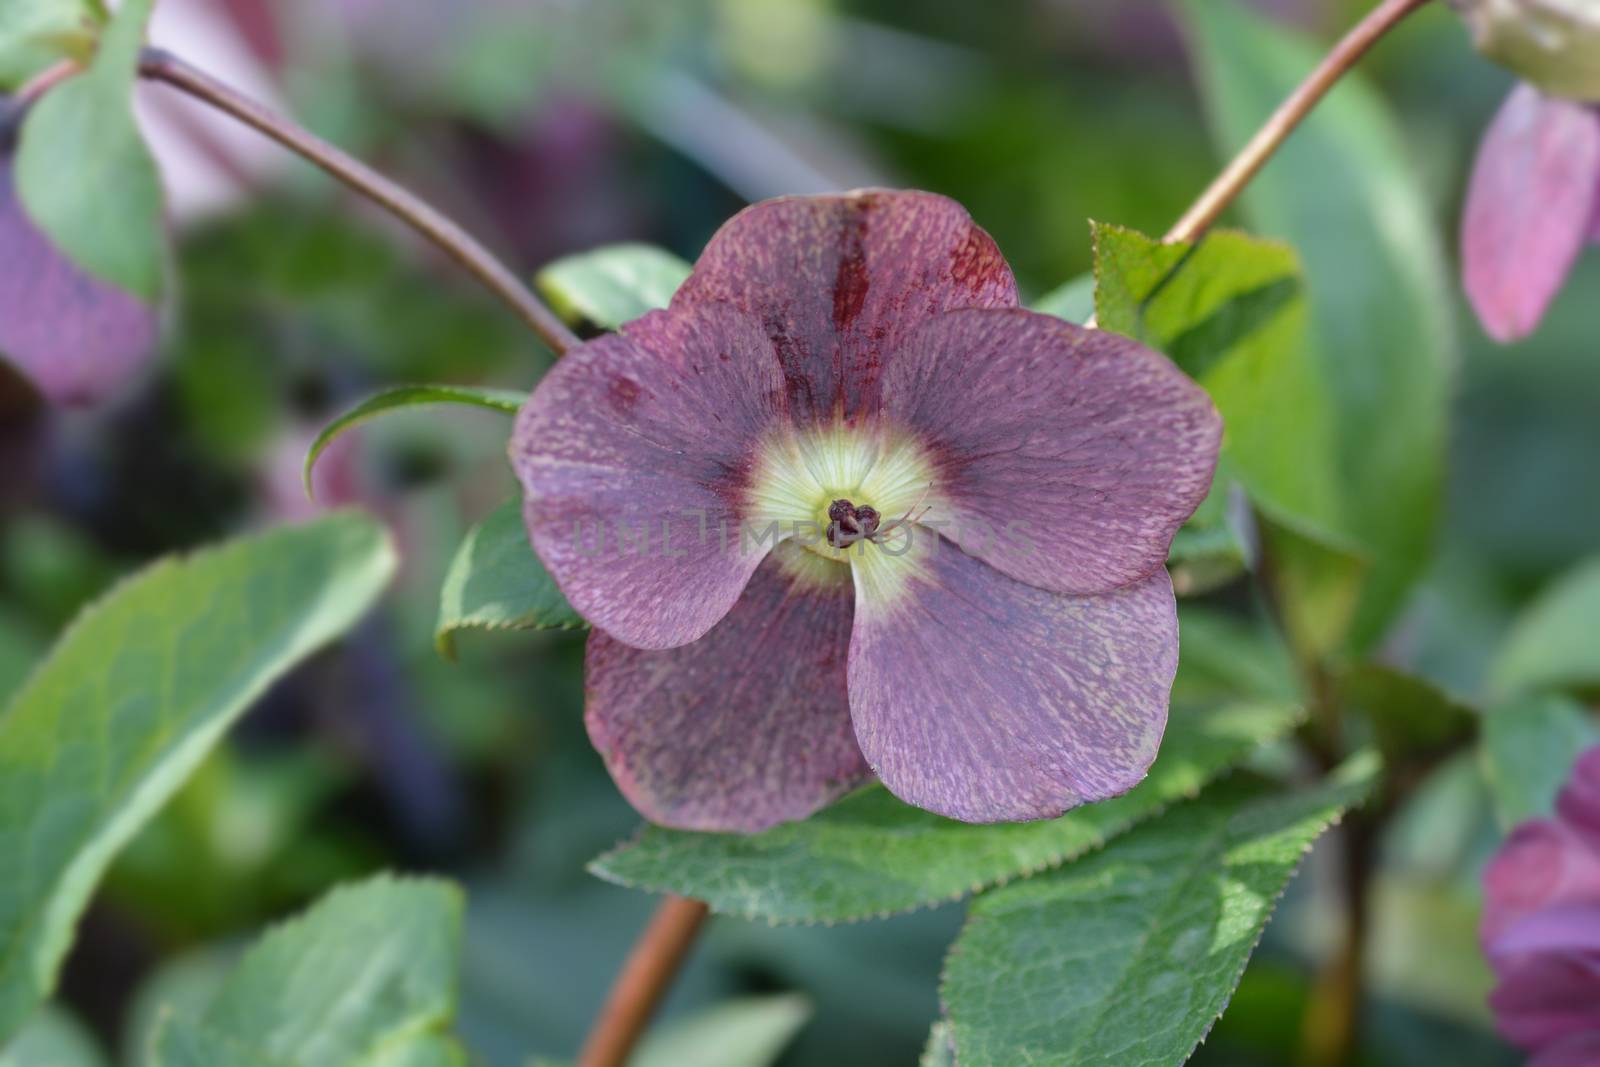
(445, 233)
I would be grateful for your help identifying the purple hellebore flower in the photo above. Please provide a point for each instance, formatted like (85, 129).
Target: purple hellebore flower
(845, 508)
(78, 339)
(1533, 202)
(1541, 927)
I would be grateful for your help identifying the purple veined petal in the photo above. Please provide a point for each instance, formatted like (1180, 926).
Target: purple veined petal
(77, 339)
(1530, 201)
(839, 281)
(988, 700)
(1066, 458)
(1547, 997)
(1542, 865)
(1578, 804)
(632, 455)
(1565, 928)
(1581, 1050)
(748, 726)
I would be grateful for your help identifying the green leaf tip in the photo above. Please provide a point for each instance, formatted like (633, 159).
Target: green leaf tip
(505, 401)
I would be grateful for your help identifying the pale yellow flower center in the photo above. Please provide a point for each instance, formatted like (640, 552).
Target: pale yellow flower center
(799, 474)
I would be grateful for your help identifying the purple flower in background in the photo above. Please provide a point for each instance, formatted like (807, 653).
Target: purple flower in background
(1533, 203)
(845, 508)
(76, 338)
(1541, 927)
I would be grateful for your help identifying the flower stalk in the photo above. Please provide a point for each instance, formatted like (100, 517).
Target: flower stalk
(1254, 155)
(643, 982)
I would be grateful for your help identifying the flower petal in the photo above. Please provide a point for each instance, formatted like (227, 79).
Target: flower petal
(1066, 458)
(631, 454)
(1578, 804)
(1582, 1050)
(1547, 997)
(750, 725)
(1531, 199)
(985, 699)
(1543, 864)
(78, 339)
(839, 281)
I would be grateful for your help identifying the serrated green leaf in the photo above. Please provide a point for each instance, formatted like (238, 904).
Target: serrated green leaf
(871, 855)
(505, 401)
(1555, 644)
(52, 1038)
(1130, 954)
(1231, 311)
(35, 33)
(366, 978)
(496, 582)
(131, 699)
(1073, 301)
(83, 172)
(1342, 193)
(1527, 751)
(612, 285)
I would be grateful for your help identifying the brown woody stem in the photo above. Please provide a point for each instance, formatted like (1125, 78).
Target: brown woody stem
(445, 233)
(1267, 140)
(643, 982)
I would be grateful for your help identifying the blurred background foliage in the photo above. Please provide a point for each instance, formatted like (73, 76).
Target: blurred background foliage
(555, 126)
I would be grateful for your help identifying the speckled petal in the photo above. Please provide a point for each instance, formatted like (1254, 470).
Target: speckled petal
(631, 454)
(987, 700)
(1066, 458)
(1546, 997)
(1578, 804)
(1580, 1051)
(1543, 864)
(750, 725)
(839, 281)
(1529, 206)
(76, 338)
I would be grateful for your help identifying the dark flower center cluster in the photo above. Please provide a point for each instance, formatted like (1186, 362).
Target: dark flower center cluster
(848, 524)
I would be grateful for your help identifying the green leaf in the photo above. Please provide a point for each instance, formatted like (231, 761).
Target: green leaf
(1411, 719)
(871, 855)
(1212, 548)
(1130, 954)
(612, 285)
(750, 1032)
(1226, 658)
(83, 172)
(939, 1051)
(1073, 301)
(52, 1038)
(132, 698)
(505, 401)
(366, 978)
(1342, 193)
(1527, 751)
(1231, 311)
(496, 582)
(1553, 645)
(35, 33)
